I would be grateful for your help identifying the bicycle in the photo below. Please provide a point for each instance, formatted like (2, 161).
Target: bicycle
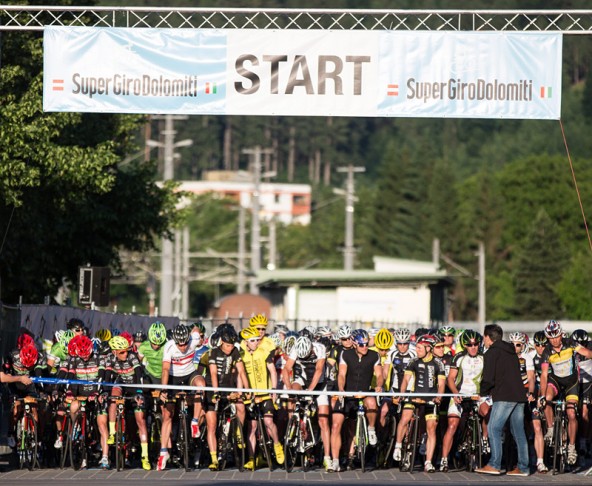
(388, 438)
(154, 425)
(264, 441)
(410, 440)
(230, 438)
(469, 451)
(78, 431)
(300, 438)
(361, 434)
(183, 443)
(26, 435)
(558, 446)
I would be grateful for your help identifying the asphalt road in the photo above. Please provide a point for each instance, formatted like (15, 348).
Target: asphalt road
(235, 478)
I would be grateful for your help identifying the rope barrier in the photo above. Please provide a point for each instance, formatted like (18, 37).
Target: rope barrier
(60, 381)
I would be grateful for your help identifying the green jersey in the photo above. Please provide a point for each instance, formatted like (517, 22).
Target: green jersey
(151, 358)
(57, 354)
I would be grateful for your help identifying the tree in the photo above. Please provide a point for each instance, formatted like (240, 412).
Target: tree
(67, 197)
(574, 287)
(539, 265)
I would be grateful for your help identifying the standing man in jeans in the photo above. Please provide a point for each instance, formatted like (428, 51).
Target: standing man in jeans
(502, 380)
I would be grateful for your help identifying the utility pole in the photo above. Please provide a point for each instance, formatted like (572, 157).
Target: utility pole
(256, 154)
(481, 279)
(240, 288)
(349, 251)
(272, 257)
(168, 145)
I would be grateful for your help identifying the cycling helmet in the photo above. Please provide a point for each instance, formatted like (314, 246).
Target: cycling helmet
(119, 343)
(402, 336)
(200, 327)
(540, 338)
(23, 340)
(180, 334)
(518, 337)
(446, 330)
(28, 355)
(139, 337)
(469, 336)
(96, 344)
(115, 332)
(229, 335)
(303, 347)
(276, 339)
(58, 335)
(322, 331)
(306, 332)
(553, 329)
(326, 341)
(66, 337)
(373, 331)
(281, 328)
(75, 323)
(103, 334)
(384, 339)
(128, 337)
(249, 333)
(427, 340)
(420, 332)
(360, 336)
(157, 333)
(84, 347)
(104, 348)
(288, 344)
(214, 340)
(580, 336)
(258, 321)
(344, 332)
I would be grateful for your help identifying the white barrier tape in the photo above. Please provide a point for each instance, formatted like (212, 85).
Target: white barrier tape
(58, 381)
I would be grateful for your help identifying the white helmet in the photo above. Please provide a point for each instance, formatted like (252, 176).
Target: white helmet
(518, 337)
(344, 332)
(58, 335)
(288, 344)
(373, 331)
(323, 331)
(277, 340)
(402, 335)
(303, 347)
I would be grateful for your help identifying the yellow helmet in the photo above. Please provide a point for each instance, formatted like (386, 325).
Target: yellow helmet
(384, 339)
(249, 333)
(118, 343)
(258, 321)
(103, 334)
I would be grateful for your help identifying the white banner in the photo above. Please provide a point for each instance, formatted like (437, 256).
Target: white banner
(307, 73)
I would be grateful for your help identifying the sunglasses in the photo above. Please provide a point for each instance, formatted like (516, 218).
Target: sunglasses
(361, 345)
(78, 329)
(254, 340)
(471, 345)
(122, 352)
(345, 339)
(518, 345)
(540, 345)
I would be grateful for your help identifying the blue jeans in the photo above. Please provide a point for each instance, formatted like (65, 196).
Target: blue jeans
(500, 412)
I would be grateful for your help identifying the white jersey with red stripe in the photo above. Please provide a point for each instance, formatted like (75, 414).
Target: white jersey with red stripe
(181, 361)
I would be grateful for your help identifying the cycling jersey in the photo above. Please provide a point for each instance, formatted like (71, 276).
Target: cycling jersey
(333, 357)
(561, 363)
(127, 371)
(93, 369)
(526, 365)
(427, 373)
(470, 372)
(199, 352)
(57, 354)
(304, 368)
(256, 367)
(266, 344)
(18, 369)
(585, 368)
(151, 358)
(225, 367)
(181, 361)
(400, 362)
(360, 369)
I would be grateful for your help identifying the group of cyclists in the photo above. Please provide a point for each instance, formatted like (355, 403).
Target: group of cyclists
(438, 366)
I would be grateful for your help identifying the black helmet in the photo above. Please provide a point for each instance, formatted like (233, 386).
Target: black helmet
(228, 335)
(75, 322)
(180, 334)
(200, 327)
(540, 338)
(580, 336)
(139, 337)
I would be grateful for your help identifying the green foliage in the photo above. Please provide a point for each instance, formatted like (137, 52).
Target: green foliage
(574, 287)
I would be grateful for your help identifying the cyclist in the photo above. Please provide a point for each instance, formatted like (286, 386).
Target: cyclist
(540, 342)
(261, 374)
(464, 377)
(447, 334)
(124, 367)
(334, 354)
(383, 342)
(139, 338)
(357, 367)
(429, 377)
(306, 363)
(401, 356)
(85, 364)
(259, 322)
(177, 369)
(560, 374)
(26, 361)
(581, 337)
(151, 353)
(58, 351)
(225, 370)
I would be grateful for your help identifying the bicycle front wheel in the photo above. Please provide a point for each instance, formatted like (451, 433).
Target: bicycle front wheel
(66, 438)
(184, 442)
(27, 445)
(265, 443)
(291, 444)
(76, 443)
(120, 443)
(361, 438)
(154, 439)
(238, 443)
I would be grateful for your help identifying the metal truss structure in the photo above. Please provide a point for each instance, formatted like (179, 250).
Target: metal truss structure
(33, 18)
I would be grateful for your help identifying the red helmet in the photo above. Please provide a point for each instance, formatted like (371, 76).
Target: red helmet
(29, 355)
(427, 340)
(73, 346)
(85, 347)
(24, 340)
(129, 337)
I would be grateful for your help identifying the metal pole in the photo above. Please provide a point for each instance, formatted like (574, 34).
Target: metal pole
(185, 280)
(272, 258)
(241, 250)
(349, 251)
(166, 279)
(481, 255)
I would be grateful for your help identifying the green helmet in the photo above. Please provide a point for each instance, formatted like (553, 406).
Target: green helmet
(469, 336)
(65, 337)
(157, 334)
